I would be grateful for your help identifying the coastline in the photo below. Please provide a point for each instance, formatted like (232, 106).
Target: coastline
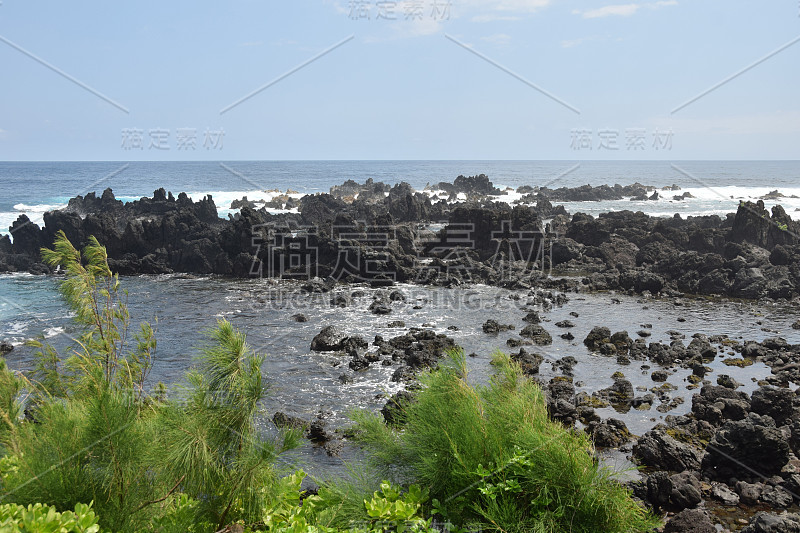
(747, 254)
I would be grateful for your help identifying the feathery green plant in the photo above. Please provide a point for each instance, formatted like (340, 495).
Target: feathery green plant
(99, 438)
(492, 458)
(93, 293)
(11, 385)
(213, 442)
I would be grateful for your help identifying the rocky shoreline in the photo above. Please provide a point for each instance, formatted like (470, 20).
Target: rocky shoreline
(381, 234)
(732, 460)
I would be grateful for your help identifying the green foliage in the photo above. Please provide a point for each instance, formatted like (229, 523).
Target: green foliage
(98, 436)
(45, 519)
(94, 448)
(387, 509)
(493, 459)
(11, 385)
(212, 441)
(181, 516)
(102, 355)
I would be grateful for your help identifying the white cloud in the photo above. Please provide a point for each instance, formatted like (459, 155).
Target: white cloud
(474, 10)
(518, 6)
(493, 10)
(402, 29)
(574, 42)
(499, 39)
(491, 17)
(425, 26)
(623, 10)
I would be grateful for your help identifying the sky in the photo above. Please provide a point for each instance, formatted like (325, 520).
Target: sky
(429, 79)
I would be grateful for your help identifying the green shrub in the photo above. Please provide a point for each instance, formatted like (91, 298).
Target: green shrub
(45, 519)
(180, 516)
(99, 437)
(212, 442)
(493, 459)
(387, 509)
(104, 355)
(11, 385)
(93, 448)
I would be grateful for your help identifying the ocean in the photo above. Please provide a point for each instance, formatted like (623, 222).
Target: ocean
(35, 187)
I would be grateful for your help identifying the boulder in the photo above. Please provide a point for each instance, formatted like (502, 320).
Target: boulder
(393, 410)
(621, 392)
(774, 402)
(493, 327)
(596, 338)
(528, 362)
(658, 450)
(765, 522)
(673, 492)
(330, 339)
(744, 447)
(537, 334)
(611, 433)
(690, 521)
(282, 420)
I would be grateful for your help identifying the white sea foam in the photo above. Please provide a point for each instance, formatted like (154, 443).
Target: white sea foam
(52, 332)
(11, 275)
(223, 200)
(705, 201)
(38, 208)
(35, 213)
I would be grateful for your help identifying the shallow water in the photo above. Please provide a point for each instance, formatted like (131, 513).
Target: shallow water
(303, 383)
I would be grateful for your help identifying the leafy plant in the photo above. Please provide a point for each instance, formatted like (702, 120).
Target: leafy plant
(388, 509)
(180, 516)
(45, 519)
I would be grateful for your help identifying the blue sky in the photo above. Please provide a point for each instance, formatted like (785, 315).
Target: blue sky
(408, 88)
